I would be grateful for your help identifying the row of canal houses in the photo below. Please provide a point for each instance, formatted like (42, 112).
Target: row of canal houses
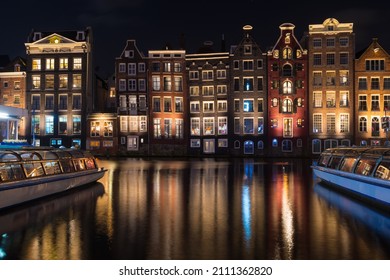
(294, 99)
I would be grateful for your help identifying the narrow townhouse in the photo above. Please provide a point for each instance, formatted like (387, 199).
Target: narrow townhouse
(247, 99)
(287, 95)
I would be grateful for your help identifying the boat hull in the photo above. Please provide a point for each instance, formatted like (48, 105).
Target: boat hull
(15, 193)
(370, 189)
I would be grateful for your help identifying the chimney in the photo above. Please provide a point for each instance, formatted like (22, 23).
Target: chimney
(223, 45)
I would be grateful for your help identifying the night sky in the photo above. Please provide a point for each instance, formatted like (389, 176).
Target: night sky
(154, 23)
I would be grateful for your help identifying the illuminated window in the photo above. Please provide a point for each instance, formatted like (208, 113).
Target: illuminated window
(330, 123)
(195, 126)
(179, 128)
(248, 105)
(287, 127)
(317, 99)
(76, 124)
(317, 123)
(248, 84)
(178, 81)
(49, 81)
(49, 63)
(36, 64)
(63, 124)
(63, 63)
(76, 80)
(287, 106)
(77, 63)
(287, 87)
(63, 81)
(344, 123)
(222, 126)
(208, 126)
(178, 104)
(49, 124)
(35, 123)
(107, 129)
(36, 82)
(248, 126)
(194, 91)
(287, 53)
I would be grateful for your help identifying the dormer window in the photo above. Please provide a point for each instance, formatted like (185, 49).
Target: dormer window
(17, 68)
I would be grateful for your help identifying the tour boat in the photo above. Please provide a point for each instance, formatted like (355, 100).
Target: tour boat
(361, 171)
(28, 173)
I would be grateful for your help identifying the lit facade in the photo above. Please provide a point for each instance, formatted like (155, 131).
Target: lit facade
(59, 87)
(287, 95)
(168, 94)
(248, 97)
(372, 95)
(131, 69)
(331, 48)
(13, 95)
(208, 83)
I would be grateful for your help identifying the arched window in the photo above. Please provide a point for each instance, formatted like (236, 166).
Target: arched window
(287, 53)
(248, 147)
(363, 124)
(260, 145)
(287, 70)
(287, 106)
(375, 126)
(287, 87)
(236, 144)
(287, 146)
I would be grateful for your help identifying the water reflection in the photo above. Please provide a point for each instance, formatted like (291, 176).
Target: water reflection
(371, 223)
(197, 209)
(41, 230)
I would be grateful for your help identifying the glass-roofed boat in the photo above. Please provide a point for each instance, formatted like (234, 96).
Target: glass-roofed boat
(28, 173)
(362, 171)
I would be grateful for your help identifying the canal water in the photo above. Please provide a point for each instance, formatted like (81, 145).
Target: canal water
(198, 209)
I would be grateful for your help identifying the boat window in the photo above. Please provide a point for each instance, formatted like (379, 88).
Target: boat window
(79, 164)
(334, 162)
(323, 160)
(347, 164)
(63, 154)
(90, 163)
(10, 172)
(52, 167)
(365, 166)
(48, 155)
(7, 157)
(76, 153)
(383, 170)
(67, 165)
(30, 156)
(33, 169)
